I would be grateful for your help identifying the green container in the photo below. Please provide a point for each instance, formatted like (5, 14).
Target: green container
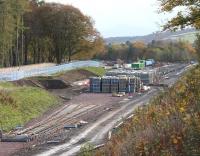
(138, 65)
(135, 65)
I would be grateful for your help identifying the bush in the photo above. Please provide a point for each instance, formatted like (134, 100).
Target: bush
(21, 104)
(169, 126)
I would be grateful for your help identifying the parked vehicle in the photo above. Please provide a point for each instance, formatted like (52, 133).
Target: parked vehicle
(149, 62)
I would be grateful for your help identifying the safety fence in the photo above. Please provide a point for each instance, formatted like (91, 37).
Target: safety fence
(17, 75)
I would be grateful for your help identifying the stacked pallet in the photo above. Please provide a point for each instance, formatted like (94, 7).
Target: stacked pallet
(106, 81)
(131, 84)
(114, 84)
(147, 76)
(138, 85)
(123, 83)
(95, 84)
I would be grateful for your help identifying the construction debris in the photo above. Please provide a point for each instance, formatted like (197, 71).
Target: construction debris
(146, 76)
(53, 142)
(120, 94)
(71, 126)
(81, 123)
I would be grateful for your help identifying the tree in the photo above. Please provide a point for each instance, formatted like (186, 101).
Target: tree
(197, 47)
(139, 47)
(70, 31)
(32, 31)
(190, 16)
(130, 52)
(11, 30)
(78, 32)
(19, 7)
(86, 150)
(6, 31)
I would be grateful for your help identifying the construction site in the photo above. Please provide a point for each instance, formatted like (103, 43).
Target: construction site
(91, 107)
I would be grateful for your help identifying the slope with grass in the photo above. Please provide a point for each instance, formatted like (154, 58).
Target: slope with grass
(19, 105)
(168, 126)
(19, 102)
(99, 71)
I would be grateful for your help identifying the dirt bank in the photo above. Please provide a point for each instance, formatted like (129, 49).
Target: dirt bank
(60, 85)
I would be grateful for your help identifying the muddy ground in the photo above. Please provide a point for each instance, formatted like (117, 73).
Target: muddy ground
(66, 93)
(60, 85)
(108, 111)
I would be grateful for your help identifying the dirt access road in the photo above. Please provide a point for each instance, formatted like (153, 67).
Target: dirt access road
(97, 131)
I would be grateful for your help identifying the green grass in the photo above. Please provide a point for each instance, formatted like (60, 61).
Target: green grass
(6, 85)
(18, 105)
(100, 71)
(42, 77)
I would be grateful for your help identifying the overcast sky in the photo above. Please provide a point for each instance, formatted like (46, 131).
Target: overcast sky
(121, 17)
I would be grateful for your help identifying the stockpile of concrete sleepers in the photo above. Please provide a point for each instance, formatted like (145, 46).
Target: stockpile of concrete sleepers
(95, 84)
(110, 84)
(146, 76)
(164, 69)
(114, 84)
(169, 68)
(123, 83)
(134, 84)
(106, 81)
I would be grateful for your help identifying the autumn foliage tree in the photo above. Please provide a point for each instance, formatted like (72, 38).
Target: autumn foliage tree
(188, 15)
(35, 32)
(164, 51)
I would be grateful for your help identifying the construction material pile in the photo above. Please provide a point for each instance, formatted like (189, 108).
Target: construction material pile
(114, 84)
(170, 68)
(146, 76)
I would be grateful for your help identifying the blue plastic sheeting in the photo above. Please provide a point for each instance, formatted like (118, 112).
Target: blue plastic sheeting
(17, 75)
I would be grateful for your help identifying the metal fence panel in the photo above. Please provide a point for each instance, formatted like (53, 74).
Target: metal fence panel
(17, 75)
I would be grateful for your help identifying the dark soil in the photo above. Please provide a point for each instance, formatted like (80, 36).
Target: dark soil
(62, 81)
(75, 75)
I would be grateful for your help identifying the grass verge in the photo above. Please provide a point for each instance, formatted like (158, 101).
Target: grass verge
(99, 71)
(19, 105)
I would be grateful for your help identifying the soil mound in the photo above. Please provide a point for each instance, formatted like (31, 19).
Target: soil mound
(61, 81)
(75, 75)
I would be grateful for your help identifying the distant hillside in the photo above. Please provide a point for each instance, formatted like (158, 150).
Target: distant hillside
(187, 34)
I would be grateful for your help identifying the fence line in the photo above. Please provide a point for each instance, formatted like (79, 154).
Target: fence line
(17, 75)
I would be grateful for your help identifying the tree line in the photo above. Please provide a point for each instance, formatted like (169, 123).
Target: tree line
(164, 51)
(35, 32)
